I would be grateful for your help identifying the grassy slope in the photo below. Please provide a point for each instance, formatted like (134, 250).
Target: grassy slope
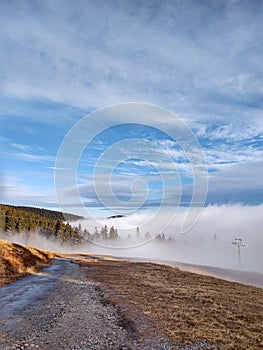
(16, 261)
(186, 306)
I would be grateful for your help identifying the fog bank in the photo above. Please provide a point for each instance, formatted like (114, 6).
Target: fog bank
(209, 242)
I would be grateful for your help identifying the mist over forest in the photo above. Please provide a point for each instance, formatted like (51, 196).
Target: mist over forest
(209, 242)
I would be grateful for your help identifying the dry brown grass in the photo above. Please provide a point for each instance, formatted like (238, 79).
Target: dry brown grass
(17, 261)
(186, 306)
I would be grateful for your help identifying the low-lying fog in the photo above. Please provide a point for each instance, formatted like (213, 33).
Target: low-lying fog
(209, 242)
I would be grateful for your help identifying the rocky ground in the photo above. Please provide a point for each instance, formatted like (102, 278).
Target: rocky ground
(60, 308)
(97, 303)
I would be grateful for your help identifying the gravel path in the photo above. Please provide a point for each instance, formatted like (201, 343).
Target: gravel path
(58, 308)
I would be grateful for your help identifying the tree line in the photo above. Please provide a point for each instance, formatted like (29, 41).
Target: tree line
(104, 234)
(50, 214)
(49, 224)
(14, 220)
(28, 220)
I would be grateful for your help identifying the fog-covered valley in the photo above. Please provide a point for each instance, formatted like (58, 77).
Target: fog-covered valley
(209, 242)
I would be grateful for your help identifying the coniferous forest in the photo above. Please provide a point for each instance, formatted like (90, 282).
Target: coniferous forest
(52, 225)
(49, 224)
(50, 214)
(27, 220)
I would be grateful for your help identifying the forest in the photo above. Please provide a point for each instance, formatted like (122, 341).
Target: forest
(52, 225)
(50, 214)
(27, 220)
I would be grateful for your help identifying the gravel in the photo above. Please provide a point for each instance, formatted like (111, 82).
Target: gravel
(73, 313)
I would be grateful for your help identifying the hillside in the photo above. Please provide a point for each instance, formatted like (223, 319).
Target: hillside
(16, 261)
(28, 222)
(194, 311)
(50, 214)
(15, 221)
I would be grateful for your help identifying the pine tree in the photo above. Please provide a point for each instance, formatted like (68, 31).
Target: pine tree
(147, 235)
(104, 232)
(59, 227)
(113, 233)
(96, 234)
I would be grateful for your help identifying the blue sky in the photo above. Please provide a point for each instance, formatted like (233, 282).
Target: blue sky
(201, 60)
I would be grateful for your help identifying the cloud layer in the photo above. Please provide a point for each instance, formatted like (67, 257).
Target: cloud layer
(209, 242)
(201, 60)
(175, 54)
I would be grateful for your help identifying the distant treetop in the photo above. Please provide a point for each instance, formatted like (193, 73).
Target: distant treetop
(50, 214)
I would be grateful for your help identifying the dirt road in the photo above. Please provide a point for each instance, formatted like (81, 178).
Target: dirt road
(95, 303)
(59, 308)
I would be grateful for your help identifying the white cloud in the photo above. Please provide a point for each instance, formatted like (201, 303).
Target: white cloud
(22, 147)
(15, 191)
(228, 131)
(55, 168)
(243, 176)
(202, 61)
(65, 54)
(29, 157)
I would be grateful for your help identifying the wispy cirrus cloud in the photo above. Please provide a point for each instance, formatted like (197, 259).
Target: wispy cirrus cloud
(33, 157)
(21, 147)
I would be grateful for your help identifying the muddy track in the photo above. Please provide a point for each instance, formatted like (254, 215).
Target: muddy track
(60, 308)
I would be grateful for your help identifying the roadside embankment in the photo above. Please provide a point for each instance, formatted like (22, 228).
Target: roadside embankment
(17, 261)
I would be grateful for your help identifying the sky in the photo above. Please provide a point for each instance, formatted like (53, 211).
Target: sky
(74, 74)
